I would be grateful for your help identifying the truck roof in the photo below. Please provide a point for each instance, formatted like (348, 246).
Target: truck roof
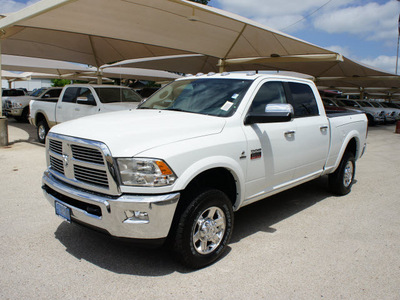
(243, 75)
(97, 85)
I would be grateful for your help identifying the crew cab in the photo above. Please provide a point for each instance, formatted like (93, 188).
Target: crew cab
(178, 167)
(79, 100)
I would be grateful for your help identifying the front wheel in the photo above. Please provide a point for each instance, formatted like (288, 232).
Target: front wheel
(42, 130)
(204, 229)
(341, 181)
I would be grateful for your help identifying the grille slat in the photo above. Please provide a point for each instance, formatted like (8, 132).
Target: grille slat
(91, 176)
(57, 165)
(87, 154)
(55, 146)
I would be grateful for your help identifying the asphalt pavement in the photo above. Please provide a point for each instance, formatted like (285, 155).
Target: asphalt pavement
(301, 244)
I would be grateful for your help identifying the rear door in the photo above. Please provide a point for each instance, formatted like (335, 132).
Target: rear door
(312, 131)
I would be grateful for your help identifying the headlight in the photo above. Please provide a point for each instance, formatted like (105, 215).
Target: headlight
(145, 172)
(16, 105)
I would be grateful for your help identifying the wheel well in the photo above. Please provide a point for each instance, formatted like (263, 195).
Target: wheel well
(218, 178)
(352, 147)
(40, 117)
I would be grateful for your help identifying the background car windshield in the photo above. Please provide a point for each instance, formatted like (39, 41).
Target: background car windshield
(111, 95)
(365, 104)
(216, 97)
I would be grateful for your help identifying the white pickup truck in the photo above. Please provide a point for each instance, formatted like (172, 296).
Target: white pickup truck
(176, 168)
(79, 100)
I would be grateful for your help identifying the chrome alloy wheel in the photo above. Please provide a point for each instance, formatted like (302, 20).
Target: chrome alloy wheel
(209, 230)
(42, 132)
(348, 174)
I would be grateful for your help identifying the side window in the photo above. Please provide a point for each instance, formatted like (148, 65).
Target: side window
(269, 92)
(70, 95)
(303, 100)
(85, 92)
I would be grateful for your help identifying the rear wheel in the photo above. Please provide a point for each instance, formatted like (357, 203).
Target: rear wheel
(42, 130)
(341, 181)
(204, 229)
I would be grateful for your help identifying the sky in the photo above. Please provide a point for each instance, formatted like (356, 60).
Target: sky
(362, 30)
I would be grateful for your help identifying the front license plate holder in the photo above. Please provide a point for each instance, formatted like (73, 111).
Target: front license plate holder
(63, 211)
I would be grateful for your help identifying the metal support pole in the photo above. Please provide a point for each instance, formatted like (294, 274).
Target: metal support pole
(3, 120)
(397, 57)
(221, 65)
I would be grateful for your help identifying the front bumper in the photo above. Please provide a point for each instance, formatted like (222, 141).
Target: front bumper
(14, 112)
(115, 214)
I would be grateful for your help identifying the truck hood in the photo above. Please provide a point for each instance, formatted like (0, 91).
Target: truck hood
(128, 133)
(116, 106)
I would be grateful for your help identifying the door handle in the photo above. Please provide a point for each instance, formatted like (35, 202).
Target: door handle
(325, 127)
(290, 132)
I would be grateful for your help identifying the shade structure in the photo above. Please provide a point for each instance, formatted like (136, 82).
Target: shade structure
(97, 32)
(40, 65)
(48, 68)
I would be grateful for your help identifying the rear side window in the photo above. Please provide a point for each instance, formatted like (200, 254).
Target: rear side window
(269, 93)
(70, 95)
(303, 100)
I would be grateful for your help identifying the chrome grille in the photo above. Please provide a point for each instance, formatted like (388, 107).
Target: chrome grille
(55, 146)
(8, 104)
(87, 154)
(57, 165)
(91, 176)
(83, 163)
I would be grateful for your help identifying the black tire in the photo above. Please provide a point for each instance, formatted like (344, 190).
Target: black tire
(42, 129)
(25, 115)
(341, 181)
(203, 230)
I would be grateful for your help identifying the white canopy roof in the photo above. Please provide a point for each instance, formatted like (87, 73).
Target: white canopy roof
(97, 32)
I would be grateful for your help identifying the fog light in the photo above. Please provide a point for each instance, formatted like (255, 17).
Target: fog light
(136, 216)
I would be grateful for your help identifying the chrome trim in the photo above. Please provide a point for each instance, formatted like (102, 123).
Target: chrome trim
(66, 156)
(160, 210)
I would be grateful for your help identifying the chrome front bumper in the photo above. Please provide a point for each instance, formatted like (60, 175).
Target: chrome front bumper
(126, 216)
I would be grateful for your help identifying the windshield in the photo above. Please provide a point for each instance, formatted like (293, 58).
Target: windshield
(350, 103)
(365, 104)
(38, 92)
(374, 104)
(215, 97)
(112, 95)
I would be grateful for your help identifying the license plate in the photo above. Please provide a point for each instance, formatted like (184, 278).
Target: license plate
(63, 211)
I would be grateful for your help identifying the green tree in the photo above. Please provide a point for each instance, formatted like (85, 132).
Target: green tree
(60, 82)
(205, 2)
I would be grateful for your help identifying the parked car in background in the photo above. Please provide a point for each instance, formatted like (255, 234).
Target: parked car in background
(8, 95)
(79, 100)
(18, 107)
(374, 115)
(390, 114)
(394, 106)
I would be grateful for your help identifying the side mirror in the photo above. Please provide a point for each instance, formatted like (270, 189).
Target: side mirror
(85, 101)
(274, 113)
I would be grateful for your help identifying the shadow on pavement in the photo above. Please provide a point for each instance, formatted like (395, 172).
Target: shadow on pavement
(16, 137)
(127, 258)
